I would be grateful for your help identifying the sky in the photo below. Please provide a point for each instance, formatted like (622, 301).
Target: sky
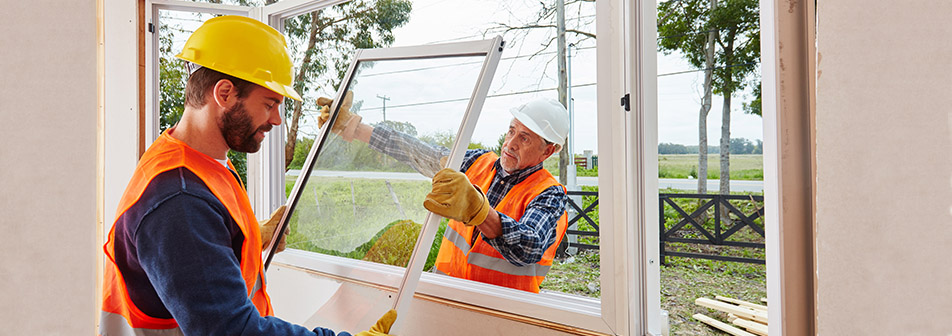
(679, 95)
(520, 78)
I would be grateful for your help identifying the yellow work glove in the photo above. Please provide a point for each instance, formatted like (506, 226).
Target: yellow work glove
(454, 197)
(382, 328)
(346, 124)
(267, 229)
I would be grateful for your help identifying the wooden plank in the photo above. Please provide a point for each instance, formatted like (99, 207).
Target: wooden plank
(742, 303)
(721, 325)
(742, 312)
(751, 326)
(731, 317)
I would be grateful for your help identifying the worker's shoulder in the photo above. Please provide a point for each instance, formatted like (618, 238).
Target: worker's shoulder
(168, 193)
(177, 182)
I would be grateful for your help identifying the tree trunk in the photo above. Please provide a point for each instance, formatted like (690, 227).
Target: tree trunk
(725, 181)
(705, 109)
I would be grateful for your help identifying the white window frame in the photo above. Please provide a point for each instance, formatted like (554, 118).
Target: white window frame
(608, 315)
(490, 50)
(630, 301)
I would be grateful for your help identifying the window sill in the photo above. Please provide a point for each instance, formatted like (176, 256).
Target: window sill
(576, 314)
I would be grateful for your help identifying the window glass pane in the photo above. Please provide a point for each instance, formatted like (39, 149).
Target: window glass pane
(709, 126)
(528, 70)
(361, 203)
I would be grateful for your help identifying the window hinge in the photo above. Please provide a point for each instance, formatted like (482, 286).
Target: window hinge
(151, 27)
(626, 102)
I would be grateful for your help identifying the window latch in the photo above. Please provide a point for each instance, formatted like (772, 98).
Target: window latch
(626, 102)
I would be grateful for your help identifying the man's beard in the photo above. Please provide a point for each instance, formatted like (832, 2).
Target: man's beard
(238, 131)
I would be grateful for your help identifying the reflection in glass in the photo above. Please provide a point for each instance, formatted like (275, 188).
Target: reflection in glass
(362, 204)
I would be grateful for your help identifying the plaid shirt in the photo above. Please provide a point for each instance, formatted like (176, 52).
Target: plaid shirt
(522, 242)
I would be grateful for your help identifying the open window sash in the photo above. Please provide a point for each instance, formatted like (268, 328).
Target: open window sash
(488, 53)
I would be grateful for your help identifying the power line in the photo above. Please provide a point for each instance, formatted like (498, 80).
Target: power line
(464, 99)
(458, 64)
(698, 70)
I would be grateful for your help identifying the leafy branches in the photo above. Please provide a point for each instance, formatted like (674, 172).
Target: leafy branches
(323, 41)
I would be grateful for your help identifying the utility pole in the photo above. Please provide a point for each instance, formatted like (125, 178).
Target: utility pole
(564, 156)
(385, 99)
(571, 108)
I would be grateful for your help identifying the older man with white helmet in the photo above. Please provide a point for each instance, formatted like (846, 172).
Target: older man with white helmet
(507, 214)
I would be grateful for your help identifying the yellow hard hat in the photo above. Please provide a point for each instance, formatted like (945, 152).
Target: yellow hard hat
(245, 48)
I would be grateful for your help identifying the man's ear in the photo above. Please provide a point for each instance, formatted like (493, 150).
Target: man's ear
(551, 149)
(224, 94)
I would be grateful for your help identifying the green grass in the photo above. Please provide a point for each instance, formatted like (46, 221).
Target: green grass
(343, 215)
(385, 236)
(351, 225)
(681, 166)
(682, 279)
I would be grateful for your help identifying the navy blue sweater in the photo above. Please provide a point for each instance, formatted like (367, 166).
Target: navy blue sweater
(179, 252)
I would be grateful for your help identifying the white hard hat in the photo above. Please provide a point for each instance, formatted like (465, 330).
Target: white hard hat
(545, 117)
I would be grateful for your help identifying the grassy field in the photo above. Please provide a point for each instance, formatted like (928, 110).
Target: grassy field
(340, 216)
(743, 167)
(681, 166)
(357, 218)
(682, 279)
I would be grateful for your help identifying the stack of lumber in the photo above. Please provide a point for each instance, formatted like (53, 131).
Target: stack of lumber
(751, 317)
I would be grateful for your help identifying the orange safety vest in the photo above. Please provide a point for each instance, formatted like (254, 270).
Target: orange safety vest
(120, 316)
(480, 261)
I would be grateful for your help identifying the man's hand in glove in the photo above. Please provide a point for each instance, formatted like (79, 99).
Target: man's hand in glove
(346, 123)
(267, 229)
(382, 328)
(454, 197)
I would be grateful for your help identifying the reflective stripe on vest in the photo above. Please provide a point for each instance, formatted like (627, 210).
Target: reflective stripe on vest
(120, 316)
(487, 262)
(480, 261)
(458, 240)
(111, 324)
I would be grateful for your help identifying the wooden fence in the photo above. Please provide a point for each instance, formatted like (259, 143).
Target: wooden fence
(686, 229)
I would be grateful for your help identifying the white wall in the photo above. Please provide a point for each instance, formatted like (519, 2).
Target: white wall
(884, 168)
(48, 117)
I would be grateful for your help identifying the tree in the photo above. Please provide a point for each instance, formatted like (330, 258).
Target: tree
(741, 146)
(682, 27)
(671, 148)
(551, 17)
(326, 39)
(731, 25)
(754, 106)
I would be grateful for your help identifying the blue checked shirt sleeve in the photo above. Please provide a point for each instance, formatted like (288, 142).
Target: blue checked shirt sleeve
(421, 156)
(524, 241)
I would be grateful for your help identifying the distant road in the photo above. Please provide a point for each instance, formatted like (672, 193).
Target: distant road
(680, 184)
